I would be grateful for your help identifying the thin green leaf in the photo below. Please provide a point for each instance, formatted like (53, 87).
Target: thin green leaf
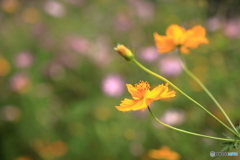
(227, 136)
(235, 145)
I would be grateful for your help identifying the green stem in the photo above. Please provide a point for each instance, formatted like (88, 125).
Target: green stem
(179, 90)
(187, 132)
(208, 92)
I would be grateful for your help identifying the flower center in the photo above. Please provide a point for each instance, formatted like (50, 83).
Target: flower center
(142, 86)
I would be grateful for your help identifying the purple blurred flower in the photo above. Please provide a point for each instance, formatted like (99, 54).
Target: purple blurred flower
(170, 66)
(20, 83)
(149, 54)
(113, 85)
(23, 59)
(54, 9)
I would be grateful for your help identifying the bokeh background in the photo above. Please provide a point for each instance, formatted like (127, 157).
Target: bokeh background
(60, 78)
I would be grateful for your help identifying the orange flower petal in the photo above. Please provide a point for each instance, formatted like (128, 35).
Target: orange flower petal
(161, 92)
(199, 31)
(164, 43)
(175, 32)
(155, 93)
(134, 92)
(129, 104)
(168, 94)
(184, 50)
(194, 37)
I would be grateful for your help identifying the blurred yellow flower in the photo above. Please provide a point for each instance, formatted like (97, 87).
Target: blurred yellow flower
(177, 36)
(10, 6)
(163, 153)
(31, 15)
(50, 150)
(142, 96)
(23, 158)
(4, 67)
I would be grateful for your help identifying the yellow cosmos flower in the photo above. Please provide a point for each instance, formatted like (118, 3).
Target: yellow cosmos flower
(142, 96)
(177, 36)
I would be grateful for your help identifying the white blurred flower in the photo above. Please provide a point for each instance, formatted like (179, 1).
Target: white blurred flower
(173, 117)
(54, 9)
(113, 85)
(170, 66)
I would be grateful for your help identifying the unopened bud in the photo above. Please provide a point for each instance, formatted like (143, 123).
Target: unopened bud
(124, 52)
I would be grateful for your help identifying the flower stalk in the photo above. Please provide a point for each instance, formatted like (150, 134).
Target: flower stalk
(187, 132)
(179, 90)
(207, 91)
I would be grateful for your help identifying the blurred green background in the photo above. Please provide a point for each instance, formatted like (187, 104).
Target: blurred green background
(60, 78)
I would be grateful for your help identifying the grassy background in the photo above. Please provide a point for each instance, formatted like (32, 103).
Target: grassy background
(55, 57)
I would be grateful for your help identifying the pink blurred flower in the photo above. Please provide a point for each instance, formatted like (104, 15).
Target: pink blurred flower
(170, 66)
(213, 24)
(56, 71)
(23, 59)
(68, 59)
(10, 113)
(136, 149)
(123, 23)
(149, 54)
(76, 2)
(54, 9)
(139, 114)
(144, 9)
(231, 28)
(100, 52)
(113, 85)
(20, 83)
(79, 44)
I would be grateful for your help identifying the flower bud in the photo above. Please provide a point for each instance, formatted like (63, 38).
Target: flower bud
(124, 52)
